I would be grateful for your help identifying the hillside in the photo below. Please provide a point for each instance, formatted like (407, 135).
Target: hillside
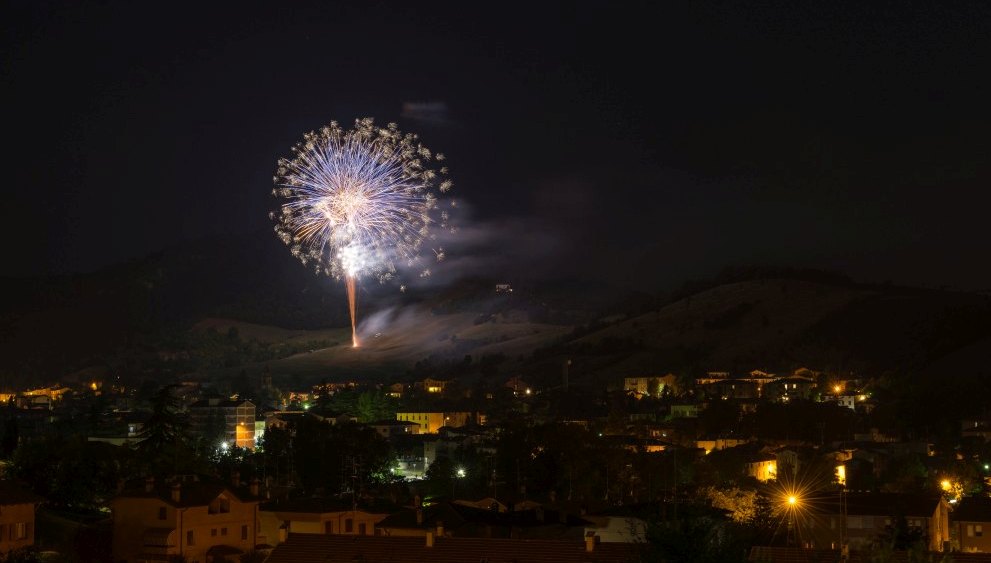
(782, 324)
(164, 315)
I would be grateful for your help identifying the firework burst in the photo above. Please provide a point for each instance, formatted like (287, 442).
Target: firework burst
(360, 202)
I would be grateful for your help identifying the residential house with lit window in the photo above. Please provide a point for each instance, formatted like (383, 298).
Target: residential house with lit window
(762, 466)
(17, 506)
(431, 385)
(202, 522)
(641, 387)
(393, 428)
(972, 524)
(316, 516)
(431, 422)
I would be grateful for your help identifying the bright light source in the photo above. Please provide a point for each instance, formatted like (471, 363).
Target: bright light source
(836, 388)
(224, 446)
(461, 472)
(945, 483)
(792, 500)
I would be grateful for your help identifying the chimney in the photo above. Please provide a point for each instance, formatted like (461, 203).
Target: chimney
(590, 541)
(176, 492)
(255, 485)
(440, 528)
(149, 484)
(419, 516)
(430, 539)
(236, 478)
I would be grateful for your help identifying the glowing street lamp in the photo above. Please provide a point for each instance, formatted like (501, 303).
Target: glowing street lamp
(791, 505)
(460, 474)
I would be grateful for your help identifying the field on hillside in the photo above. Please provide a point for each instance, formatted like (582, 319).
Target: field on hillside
(390, 345)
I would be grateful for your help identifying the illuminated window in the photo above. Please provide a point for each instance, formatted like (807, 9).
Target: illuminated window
(19, 530)
(970, 530)
(978, 531)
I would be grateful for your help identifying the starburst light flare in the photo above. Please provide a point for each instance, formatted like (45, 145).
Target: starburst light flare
(360, 202)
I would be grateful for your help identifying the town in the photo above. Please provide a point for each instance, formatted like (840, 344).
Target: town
(748, 464)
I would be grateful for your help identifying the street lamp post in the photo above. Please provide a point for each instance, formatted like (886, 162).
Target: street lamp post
(458, 475)
(792, 501)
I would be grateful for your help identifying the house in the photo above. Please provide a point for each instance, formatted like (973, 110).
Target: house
(17, 506)
(710, 444)
(431, 385)
(972, 524)
(869, 515)
(315, 516)
(203, 522)
(483, 519)
(391, 428)
(641, 387)
(431, 422)
(236, 418)
(762, 466)
(306, 548)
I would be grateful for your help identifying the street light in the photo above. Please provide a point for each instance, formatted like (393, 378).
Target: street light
(460, 474)
(792, 502)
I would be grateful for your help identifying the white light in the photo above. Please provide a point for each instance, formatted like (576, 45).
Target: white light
(224, 446)
(461, 472)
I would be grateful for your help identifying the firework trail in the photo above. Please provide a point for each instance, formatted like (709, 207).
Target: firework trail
(360, 202)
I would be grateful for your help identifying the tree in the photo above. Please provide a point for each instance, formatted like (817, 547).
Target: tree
(165, 441)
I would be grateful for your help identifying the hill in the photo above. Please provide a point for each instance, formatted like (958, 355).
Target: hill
(779, 325)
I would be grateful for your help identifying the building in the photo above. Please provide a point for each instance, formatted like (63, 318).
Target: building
(869, 515)
(972, 525)
(762, 466)
(17, 506)
(199, 521)
(431, 385)
(235, 419)
(431, 422)
(392, 428)
(641, 387)
(315, 516)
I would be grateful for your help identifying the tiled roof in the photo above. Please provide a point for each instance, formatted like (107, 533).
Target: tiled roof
(304, 548)
(191, 493)
(972, 509)
(883, 504)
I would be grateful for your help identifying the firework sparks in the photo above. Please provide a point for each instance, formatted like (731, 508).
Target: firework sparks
(360, 202)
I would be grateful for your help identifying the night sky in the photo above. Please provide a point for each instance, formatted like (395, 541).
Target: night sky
(645, 144)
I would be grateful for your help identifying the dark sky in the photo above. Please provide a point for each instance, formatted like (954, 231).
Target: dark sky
(657, 142)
